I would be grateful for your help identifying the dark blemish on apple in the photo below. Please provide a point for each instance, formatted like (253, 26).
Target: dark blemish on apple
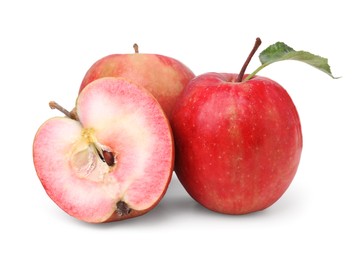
(123, 208)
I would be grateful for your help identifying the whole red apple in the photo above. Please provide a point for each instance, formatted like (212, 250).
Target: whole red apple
(238, 144)
(163, 76)
(238, 138)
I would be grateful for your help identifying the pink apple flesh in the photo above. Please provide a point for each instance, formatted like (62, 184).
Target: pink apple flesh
(238, 144)
(115, 161)
(163, 76)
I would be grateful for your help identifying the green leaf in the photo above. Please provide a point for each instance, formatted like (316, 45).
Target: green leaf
(275, 52)
(280, 52)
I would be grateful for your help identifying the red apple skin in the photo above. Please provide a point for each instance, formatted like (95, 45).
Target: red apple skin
(163, 76)
(238, 144)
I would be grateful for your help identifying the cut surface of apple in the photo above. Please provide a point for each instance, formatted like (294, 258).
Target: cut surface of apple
(114, 161)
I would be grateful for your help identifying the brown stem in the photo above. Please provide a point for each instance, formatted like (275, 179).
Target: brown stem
(136, 48)
(72, 114)
(254, 49)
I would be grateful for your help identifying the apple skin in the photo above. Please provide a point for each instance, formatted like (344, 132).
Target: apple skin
(163, 76)
(238, 144)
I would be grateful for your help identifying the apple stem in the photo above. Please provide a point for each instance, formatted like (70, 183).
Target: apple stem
(72, 114)
(136, 48)
(243, 69)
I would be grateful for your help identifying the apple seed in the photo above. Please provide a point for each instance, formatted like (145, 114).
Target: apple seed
(108, 158)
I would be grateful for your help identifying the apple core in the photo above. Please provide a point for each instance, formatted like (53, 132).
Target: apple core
(88, 157)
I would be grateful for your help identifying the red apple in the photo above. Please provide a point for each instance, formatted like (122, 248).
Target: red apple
(163, 76)
(111, 158)
(238, 143)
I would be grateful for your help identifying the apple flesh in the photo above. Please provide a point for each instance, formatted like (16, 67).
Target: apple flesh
(238, 144)
(163, 76)
(113, 160)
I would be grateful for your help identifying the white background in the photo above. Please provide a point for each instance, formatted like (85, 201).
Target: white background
(46, 48)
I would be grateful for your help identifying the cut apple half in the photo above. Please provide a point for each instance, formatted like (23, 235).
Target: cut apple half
(112, 159)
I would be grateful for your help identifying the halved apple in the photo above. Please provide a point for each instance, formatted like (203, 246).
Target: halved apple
(112, 158)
